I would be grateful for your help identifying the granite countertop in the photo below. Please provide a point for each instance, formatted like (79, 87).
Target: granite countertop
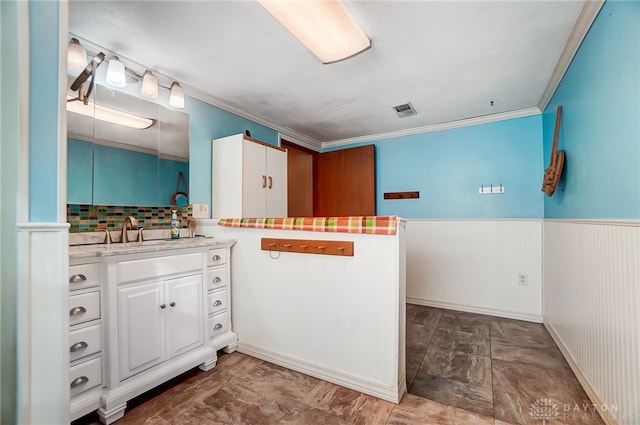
(154, 245)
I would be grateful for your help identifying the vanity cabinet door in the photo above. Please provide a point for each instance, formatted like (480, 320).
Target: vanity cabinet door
(185, 328)
(141, 327)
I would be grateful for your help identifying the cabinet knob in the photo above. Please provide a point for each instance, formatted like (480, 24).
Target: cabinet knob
(77, 278)
(172, 304)
(218, 326)
(217, 303)
(77, 310)
(163, 306)
(78, 346)
(216, 258)
(79, 381)
(216, 279)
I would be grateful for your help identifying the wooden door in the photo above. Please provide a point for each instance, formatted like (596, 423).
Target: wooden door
(300, 180)
(345, 182)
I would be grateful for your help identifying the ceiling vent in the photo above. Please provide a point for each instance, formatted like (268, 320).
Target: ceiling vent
(404, 110)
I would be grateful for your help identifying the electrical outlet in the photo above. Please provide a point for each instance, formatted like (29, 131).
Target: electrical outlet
(522, 279)
(200, 210)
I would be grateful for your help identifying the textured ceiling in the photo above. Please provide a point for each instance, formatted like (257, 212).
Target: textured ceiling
(450, 59)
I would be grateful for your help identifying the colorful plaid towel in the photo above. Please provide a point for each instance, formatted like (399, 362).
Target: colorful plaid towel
(374, 225)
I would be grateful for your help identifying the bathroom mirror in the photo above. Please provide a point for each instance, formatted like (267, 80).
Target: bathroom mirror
(113, 164)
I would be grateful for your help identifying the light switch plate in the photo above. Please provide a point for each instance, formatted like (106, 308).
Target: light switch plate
(200, 210)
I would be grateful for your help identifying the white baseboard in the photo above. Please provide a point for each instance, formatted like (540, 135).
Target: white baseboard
(480, 310)
(389, 393)
(597, 402)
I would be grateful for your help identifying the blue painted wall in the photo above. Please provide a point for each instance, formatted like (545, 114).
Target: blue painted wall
(449, 166)
(600, 131)
(79, 172)
(44, 117)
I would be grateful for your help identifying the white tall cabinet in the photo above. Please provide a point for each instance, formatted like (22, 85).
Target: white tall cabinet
(249, 178)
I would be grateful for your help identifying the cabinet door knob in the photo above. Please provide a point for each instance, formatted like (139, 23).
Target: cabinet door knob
(218, 326)
(172, 304)
(264, 181)
(77, 278)
(217, 303)
(78, 346)
(79, 381)
(77, 310)
(216, 258)
(163, 306)
(270, 182)
(216, 279)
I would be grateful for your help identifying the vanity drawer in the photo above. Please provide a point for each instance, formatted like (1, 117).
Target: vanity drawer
(85, 341)
(86, 375)
(218, 324)
(132, 270)
(84, 307)
(216, 257)
(217, 301)
(216, 278)
(84, 276)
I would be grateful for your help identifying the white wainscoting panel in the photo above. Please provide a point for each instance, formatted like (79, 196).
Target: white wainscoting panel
(43, 323)
(592, 309)
(473, 265)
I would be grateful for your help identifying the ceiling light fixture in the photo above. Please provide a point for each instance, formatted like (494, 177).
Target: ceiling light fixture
(149, 85)
(76, 56)
(116, 75)
(103, 113)
(176, 98)
(324, 27)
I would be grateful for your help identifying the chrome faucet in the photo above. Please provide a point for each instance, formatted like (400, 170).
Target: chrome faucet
(125, 224)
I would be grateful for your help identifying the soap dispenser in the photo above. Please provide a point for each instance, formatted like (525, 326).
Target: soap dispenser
(175, 225)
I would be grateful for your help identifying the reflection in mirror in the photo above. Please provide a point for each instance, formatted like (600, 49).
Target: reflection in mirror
(112, 164)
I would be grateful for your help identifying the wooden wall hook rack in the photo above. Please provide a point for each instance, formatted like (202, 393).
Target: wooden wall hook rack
(308, 246)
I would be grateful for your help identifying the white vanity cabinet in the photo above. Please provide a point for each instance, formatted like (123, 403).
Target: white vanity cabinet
(139, 316)
(249, 178)
(85, 338)
(219, 301)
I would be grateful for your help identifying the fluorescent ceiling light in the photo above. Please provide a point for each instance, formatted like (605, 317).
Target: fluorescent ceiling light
(324, 27)
(103, 113)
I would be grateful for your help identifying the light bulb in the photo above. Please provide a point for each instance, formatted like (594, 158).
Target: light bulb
(76, 56)
(115, 73)
(176, 98)
(149, 85)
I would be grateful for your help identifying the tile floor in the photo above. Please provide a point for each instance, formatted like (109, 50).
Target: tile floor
(462, 369)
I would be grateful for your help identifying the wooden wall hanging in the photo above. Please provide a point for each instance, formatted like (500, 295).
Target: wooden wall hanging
(402, 195)
(556, 161)
(307, 246)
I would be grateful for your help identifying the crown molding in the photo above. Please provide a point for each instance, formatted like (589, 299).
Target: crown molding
(520, 113)
(588, 14)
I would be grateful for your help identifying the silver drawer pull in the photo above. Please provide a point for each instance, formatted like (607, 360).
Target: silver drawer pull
(217, 303)
(79, 381)
(77, 278)
(78, 346)
(218, 326)
(216, 258)
(216, 279)
(77, 310)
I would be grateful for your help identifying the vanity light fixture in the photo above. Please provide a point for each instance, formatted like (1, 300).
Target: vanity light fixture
(149, 85)
(324, 27)
(88, 72)
(116, 75)
(104, 113)
(176, 98)
(76, 56)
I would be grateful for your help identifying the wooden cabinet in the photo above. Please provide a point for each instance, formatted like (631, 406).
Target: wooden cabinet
(249, 178)
(85, 338)
(158, 321)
